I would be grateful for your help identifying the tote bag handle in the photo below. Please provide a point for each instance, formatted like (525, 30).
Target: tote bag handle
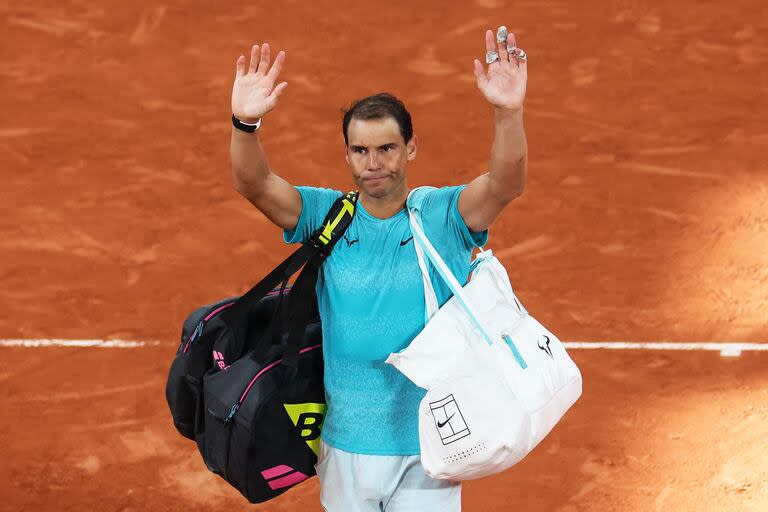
(430, 297)
(424, 246)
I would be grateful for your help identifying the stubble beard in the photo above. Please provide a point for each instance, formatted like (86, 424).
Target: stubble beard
(383, 192)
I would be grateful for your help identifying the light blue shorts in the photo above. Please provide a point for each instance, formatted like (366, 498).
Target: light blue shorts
(352, 482)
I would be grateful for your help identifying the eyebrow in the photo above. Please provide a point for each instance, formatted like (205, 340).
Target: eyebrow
(387, 145)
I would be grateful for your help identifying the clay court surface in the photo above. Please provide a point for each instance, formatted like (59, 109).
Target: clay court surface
(645, 218)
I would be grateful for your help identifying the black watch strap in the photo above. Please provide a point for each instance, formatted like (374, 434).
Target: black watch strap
(250, 128)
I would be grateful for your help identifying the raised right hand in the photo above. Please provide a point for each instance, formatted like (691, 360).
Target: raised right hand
(254, 93)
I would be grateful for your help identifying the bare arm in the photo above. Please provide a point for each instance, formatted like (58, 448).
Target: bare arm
(504, 88)
(253, 95)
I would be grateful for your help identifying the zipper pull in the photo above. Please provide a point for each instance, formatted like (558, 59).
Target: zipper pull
(198, 330)
(232, 413)
(195, 334)
(511, 344)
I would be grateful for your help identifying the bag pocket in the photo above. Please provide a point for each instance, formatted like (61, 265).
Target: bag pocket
(181, 398)
(222, 391)
(466, 427)
(216, 436)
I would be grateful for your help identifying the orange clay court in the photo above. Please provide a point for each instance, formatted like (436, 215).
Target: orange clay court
(645, 218)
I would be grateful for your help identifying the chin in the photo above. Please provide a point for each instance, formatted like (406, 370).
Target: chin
(376, 192)
(380, 190)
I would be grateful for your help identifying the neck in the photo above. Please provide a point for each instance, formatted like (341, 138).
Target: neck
(384, 207)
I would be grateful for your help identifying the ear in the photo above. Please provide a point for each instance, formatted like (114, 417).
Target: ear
(346, 154)
(411, 148)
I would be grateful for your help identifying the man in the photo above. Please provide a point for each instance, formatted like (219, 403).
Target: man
(370, 293)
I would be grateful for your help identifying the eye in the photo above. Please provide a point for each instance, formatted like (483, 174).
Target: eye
(359, 151)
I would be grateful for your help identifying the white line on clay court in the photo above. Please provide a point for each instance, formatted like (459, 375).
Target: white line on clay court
(77, 343)
(725, 349)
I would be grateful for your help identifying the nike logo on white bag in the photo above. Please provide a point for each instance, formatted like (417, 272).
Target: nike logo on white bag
(442, 424)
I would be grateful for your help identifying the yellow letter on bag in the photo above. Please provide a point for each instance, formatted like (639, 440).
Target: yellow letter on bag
(308, 418)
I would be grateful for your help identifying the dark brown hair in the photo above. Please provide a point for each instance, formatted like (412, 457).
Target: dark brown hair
(379, 106)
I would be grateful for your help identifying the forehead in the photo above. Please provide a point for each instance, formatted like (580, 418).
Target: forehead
(373, 132)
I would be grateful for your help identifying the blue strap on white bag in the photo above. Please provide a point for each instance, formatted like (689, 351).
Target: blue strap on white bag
(478, 437)
(424, 246)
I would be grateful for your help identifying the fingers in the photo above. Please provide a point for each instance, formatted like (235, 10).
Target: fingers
(511, 45)
(501, 42)
(254, 59)
(505, 47)
(479, 73)
(491, 53)
(264, 60)
(260, 57)
(522, 60)
(490, 44)
(278, 90)
(277, 66)
(516, 54)
(275, 94)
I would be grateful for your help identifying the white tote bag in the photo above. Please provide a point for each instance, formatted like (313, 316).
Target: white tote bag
(497, 381)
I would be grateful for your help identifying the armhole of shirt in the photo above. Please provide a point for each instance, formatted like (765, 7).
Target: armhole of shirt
(471, 238)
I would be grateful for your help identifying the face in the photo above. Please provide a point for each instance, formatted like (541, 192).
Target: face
(378, 156)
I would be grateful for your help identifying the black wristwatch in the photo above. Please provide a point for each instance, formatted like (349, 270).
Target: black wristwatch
(250, 128)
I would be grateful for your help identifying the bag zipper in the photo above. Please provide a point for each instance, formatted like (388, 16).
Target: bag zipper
(261, 372)
(199, 328)
(201, 325)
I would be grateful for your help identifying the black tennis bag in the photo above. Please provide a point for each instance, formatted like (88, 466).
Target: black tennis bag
(247, 380)
(184, 387)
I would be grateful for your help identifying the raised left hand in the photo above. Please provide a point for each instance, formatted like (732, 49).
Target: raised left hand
(503, 84)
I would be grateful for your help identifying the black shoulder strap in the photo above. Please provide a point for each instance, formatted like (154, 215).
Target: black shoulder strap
(323, 240)
(316, 249)
(336, 223)
(302, 293)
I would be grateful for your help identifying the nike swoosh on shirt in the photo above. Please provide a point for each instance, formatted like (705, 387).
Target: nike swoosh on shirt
(442, 424)
(402, 243)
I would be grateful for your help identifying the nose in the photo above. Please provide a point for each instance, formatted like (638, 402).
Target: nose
(373, 160)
